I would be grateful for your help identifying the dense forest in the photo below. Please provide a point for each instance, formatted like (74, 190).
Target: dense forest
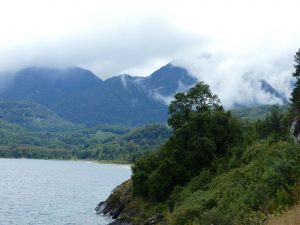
(30, 130)
(49, 137)
(216, 168)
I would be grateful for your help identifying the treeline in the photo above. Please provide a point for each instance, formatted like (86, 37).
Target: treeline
(104, 142)
(33, 117)
(217, 168)
(131, 145)
(34, 152)
(257, 112)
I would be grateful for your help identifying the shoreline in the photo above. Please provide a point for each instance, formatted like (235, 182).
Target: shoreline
(79, 160)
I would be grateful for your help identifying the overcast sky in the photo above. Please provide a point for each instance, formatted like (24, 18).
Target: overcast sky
(228, 44)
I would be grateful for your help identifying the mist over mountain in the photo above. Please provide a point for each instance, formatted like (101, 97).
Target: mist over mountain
(79, 96)
(272, 91)
(48, 86)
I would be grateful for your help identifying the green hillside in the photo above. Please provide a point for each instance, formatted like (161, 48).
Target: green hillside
(255, 112)
(79, 96)
(216, 168)
(14, 135)
(64, 140)
(33, 117)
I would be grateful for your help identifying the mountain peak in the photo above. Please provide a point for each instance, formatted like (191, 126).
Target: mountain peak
(271, 90)
(169, 79)
(48, 86)
(80, 96)
(57, 73)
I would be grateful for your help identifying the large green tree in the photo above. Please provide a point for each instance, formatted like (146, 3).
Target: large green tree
(202, 132)
(274, 125)
(198, 98)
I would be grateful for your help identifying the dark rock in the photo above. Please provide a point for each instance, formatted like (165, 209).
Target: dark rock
(121, 207)
(115, 213)
(115, 205)
(100, 208)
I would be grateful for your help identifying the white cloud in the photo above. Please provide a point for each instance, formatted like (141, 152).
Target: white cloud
(236, 76)
(123, 46)
(229, 44)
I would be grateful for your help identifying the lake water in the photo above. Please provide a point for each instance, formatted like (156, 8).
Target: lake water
(42, 192)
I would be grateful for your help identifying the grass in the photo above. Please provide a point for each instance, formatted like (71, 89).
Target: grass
(289, 217)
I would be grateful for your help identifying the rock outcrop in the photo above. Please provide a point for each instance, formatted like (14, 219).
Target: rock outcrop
(116, 203)
(126, 209)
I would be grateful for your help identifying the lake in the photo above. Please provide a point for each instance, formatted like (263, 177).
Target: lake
(42, 192)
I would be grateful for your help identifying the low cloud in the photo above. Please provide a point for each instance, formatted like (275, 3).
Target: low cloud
(230, 45)
(236, 76)
(125, 45)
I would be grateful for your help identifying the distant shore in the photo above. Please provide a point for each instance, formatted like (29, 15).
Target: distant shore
(82, 160)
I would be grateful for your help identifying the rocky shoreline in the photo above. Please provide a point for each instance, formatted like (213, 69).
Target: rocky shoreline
(115, 204)
(125, 210)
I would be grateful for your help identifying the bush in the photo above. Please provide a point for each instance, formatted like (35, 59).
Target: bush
(264, 183)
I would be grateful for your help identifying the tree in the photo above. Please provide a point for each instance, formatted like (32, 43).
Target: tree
(274, 125)
(202, 132)
(295, 99)
(162, 180)
(198, 98)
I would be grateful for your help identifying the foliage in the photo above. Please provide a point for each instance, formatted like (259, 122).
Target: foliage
(214, 168)
(255, 113)
(34, 152)
(198, 98)
(274, 125)
(219, 169)
(129, 146)
(203, 131)
(33, 117)
(103, 142)
(263, 182)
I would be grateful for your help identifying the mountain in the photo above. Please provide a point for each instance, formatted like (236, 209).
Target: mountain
(272, 91)
(79, 96)
(48, 86)
(112, 104)
(168, 79)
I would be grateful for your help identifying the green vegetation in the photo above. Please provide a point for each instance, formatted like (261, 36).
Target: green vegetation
(34, 128)
(217, 168)
(53, 138)
(274, 125)
(202, 132)
(213, 167)
(243, 189)
(256, 112)
(128, 146)
(34, 152)
(33, 117)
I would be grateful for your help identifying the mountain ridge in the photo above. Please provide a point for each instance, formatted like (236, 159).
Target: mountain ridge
(79, 96)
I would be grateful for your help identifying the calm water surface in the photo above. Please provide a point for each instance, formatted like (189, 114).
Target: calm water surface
(44, 192)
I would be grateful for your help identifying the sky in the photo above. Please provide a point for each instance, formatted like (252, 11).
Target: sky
(230, 45)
